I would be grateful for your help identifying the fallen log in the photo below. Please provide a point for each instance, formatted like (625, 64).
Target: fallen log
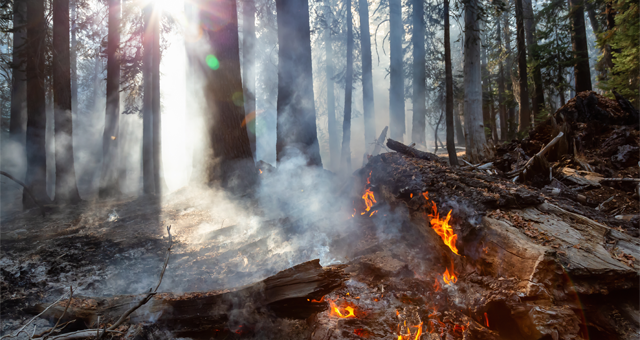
(409, 151)
(287, 294)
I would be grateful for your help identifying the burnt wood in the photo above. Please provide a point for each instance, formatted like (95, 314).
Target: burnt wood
(409, 151)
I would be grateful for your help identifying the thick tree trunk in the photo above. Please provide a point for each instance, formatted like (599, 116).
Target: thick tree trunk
(348, 91)
(419, 76)
(74, 57)
(158, 180)
(525, 111)
(18, 119)
(486, 110)
(248, 69)
(109, 182)
(334, 146)
(231, 162)
(36, 177)
(537, 100)
(451, 146)
(501, 97)
(367, 77)
(396, 73)
(581, 70)
(476, 141)
(148, 185)
(66, 187)
(511, 112)
(296, 134)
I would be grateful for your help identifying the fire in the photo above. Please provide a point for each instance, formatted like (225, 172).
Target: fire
(486, 319)
(419, 333)
(436, 286)
(449, 278)
(260, 170)
(336, 311)
(443, 229)
(368, 197)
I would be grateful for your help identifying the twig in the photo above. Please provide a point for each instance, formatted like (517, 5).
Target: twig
(605, 202)
(620, 180)
(150, 294)
(30, 321)
(25, 190)
(538, 155)
(56, 330)
(63, 313)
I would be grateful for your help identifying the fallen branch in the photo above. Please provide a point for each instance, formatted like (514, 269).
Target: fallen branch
(539, 156)
(470, 166)
(29, 193)
(30, 321)
(409, 151)
(620, 180)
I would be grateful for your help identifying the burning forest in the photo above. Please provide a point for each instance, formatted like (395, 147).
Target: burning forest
(319, 170)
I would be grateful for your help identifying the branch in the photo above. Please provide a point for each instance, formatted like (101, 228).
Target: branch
(30, 321)
(538, 155)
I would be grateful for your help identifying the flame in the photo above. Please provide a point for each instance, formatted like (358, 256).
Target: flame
(419, 331)
(411, 195)
(486, 319)
(425, 195)
(443, 229)
(336, 311)
(436, 286)
(449, 278)
(260, 170)
(373, 212)
(368, 197)
(354, 212)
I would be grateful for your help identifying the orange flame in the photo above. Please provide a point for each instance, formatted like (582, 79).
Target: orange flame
(260, 170)
(486, 319)
(368, 197)
(450, 278)
(419, 331)
(436, 286)
(443, 229)
(336, 311)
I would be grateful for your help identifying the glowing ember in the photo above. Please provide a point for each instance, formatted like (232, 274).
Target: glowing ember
(373, 212)
(419, 333)
(436, 286)
(260, 170)
(354, 212)
(368, 197)
(336, 311)
(486, 319)
(443, 229)
(363, 333)
(411, 195)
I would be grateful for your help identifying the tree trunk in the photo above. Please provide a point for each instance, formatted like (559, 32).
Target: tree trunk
(486, 110)
(537, 100)
(74, 57)
(492, 115)
(158, 180)
(296, 134)
(367, 77)
(334, 151)
(231, 162)
(435, 133)
(581, 70)
(511, 112)
(525, 112)
(396, 72)
(476, 141)
(109, 182)
(348, 91)
(148, 185)
(460, 137)
(18, 119)
(66, 187)
(501, 97)
(451, 146)
(35, 179)
(248, 69)
(419, 76)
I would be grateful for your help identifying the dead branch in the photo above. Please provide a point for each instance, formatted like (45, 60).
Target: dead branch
(539, 155)
(30, 321)
(63, 313)
(25, 190)
(620, 180)
(409, 151)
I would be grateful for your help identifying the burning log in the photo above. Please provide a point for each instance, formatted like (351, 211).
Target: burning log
(409, 151)
(288, 294)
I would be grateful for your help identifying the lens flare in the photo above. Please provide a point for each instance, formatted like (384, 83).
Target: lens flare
(212, 62)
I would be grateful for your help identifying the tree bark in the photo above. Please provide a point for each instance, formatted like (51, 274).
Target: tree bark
(451, 146)
(501, 96)
(581, 70)
(348, 92)
(158, 180)
(537, 100)
(476, 141)
(248, 69)
(460, 137)
(511, 112)
(525, 111)
(74, 57)
(18, 119)
(486, 110)
(109, 182)
(334, 151)
(35, 179)
(66, 187)
(296, 134)
(418, 125)
(231, 162)
(367, 75)
(396, 73)
(148, 184)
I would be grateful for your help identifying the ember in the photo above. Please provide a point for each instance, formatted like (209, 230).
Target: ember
(486, 319)
(449, 278)
(335, 311)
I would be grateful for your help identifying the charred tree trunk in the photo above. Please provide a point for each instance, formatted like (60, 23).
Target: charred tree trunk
(66, 187)
(18, 119)
(396, 73)
(501, 97)
(248, 69)
(451, 146)
(36, 177)
(419, 75)
(367, 76)
(231, 162)
(525, 112)
(109, 183)
(158, 181)
(74, 57)
(334, 151)
(348, 91)
(147, 112)
(581, 70)
(296, 134)
(476, 141)
(537, 100)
